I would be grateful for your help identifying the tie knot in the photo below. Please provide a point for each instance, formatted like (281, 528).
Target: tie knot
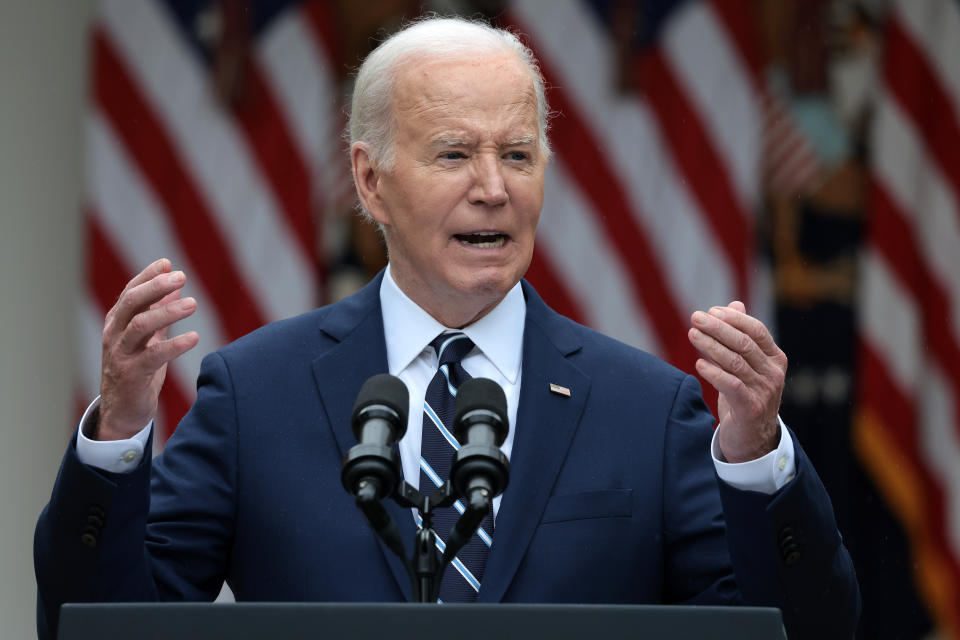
(451, 347)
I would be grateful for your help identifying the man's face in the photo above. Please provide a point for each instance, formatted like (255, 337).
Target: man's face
(461, 205)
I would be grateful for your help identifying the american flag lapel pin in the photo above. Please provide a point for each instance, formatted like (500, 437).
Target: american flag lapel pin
(559, 390)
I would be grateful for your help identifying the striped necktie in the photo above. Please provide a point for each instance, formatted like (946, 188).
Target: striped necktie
(461, 580)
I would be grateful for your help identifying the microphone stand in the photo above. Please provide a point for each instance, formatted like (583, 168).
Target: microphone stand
(426, 566)
(478, 472)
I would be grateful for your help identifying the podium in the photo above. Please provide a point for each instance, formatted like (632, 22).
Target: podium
(296, 621)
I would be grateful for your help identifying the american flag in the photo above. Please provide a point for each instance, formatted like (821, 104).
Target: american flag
(650, 208)
(908, 428)
(212, 139)
(652, 199)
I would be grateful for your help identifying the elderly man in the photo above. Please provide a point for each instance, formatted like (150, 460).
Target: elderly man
(613, 496)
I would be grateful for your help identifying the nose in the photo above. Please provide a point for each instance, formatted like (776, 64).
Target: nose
(488, 187)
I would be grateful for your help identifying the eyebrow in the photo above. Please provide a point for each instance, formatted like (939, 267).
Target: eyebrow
(452, 141)
(523, 140)
(449, 141)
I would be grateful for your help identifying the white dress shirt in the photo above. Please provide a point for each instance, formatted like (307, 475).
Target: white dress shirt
(498, 340)
(498, 337)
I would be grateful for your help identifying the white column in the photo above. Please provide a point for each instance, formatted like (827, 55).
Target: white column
(43, 57)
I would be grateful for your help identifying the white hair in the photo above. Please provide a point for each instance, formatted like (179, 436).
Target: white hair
(371, 113)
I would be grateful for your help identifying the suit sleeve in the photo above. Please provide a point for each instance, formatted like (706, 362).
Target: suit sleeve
(787, 552)
(161, 532)
(784, 549)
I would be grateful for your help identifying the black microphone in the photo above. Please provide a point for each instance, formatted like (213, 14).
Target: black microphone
(480, 471)
(371, 469)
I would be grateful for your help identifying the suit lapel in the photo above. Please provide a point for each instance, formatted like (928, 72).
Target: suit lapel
(546, 421)
(546, 424)
(357, 351)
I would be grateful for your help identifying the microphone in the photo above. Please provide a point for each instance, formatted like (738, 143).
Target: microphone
(371, 469)
(480, 471)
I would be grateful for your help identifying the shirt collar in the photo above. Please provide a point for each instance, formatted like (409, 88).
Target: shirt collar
(408, 329)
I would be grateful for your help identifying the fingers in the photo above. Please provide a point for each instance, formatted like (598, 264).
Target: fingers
(140, 297)
(155, 320)
(160, 352)
(163, 331)
(735, 314)
(739, 354)
(742, 361)
(730, 386)
(153, 269)
(742, 334)
(136, 347)
(153, 355)
(728, 347)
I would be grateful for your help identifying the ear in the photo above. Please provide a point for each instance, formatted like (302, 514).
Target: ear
(366, 177)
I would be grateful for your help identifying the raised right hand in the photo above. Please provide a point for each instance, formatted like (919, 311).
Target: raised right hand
(136, 349)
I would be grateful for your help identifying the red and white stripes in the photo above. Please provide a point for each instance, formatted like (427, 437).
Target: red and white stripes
(650, 204)
(651, 198)
(230, 195)
(790, 164)
(908, 431)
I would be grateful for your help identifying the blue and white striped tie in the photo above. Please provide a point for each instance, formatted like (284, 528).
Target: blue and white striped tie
(461, 580)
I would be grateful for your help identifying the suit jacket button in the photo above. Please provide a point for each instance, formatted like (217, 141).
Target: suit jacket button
(789, 545)
(89, 539)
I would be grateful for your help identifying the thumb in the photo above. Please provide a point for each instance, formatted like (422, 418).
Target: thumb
(723, 408)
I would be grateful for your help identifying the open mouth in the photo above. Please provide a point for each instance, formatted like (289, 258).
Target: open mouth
(483, 239)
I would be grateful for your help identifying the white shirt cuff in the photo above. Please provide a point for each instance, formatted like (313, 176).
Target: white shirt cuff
(766, 474)
(117, 456)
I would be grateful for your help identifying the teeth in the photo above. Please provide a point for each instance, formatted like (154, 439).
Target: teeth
(495, 241)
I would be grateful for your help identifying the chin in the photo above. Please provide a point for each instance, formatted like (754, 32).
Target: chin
(491, 286)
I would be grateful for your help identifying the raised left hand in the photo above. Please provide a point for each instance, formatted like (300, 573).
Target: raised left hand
(748, 369)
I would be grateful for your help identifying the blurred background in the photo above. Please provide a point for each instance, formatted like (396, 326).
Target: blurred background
(800, 155)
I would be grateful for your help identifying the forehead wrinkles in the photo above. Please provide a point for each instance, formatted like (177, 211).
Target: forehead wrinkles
(512, 123)
(457, 96)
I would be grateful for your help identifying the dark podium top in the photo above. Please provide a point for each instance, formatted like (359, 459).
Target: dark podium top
(293, 621)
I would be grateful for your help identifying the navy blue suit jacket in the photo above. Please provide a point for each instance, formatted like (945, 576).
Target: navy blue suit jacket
(613, 496)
